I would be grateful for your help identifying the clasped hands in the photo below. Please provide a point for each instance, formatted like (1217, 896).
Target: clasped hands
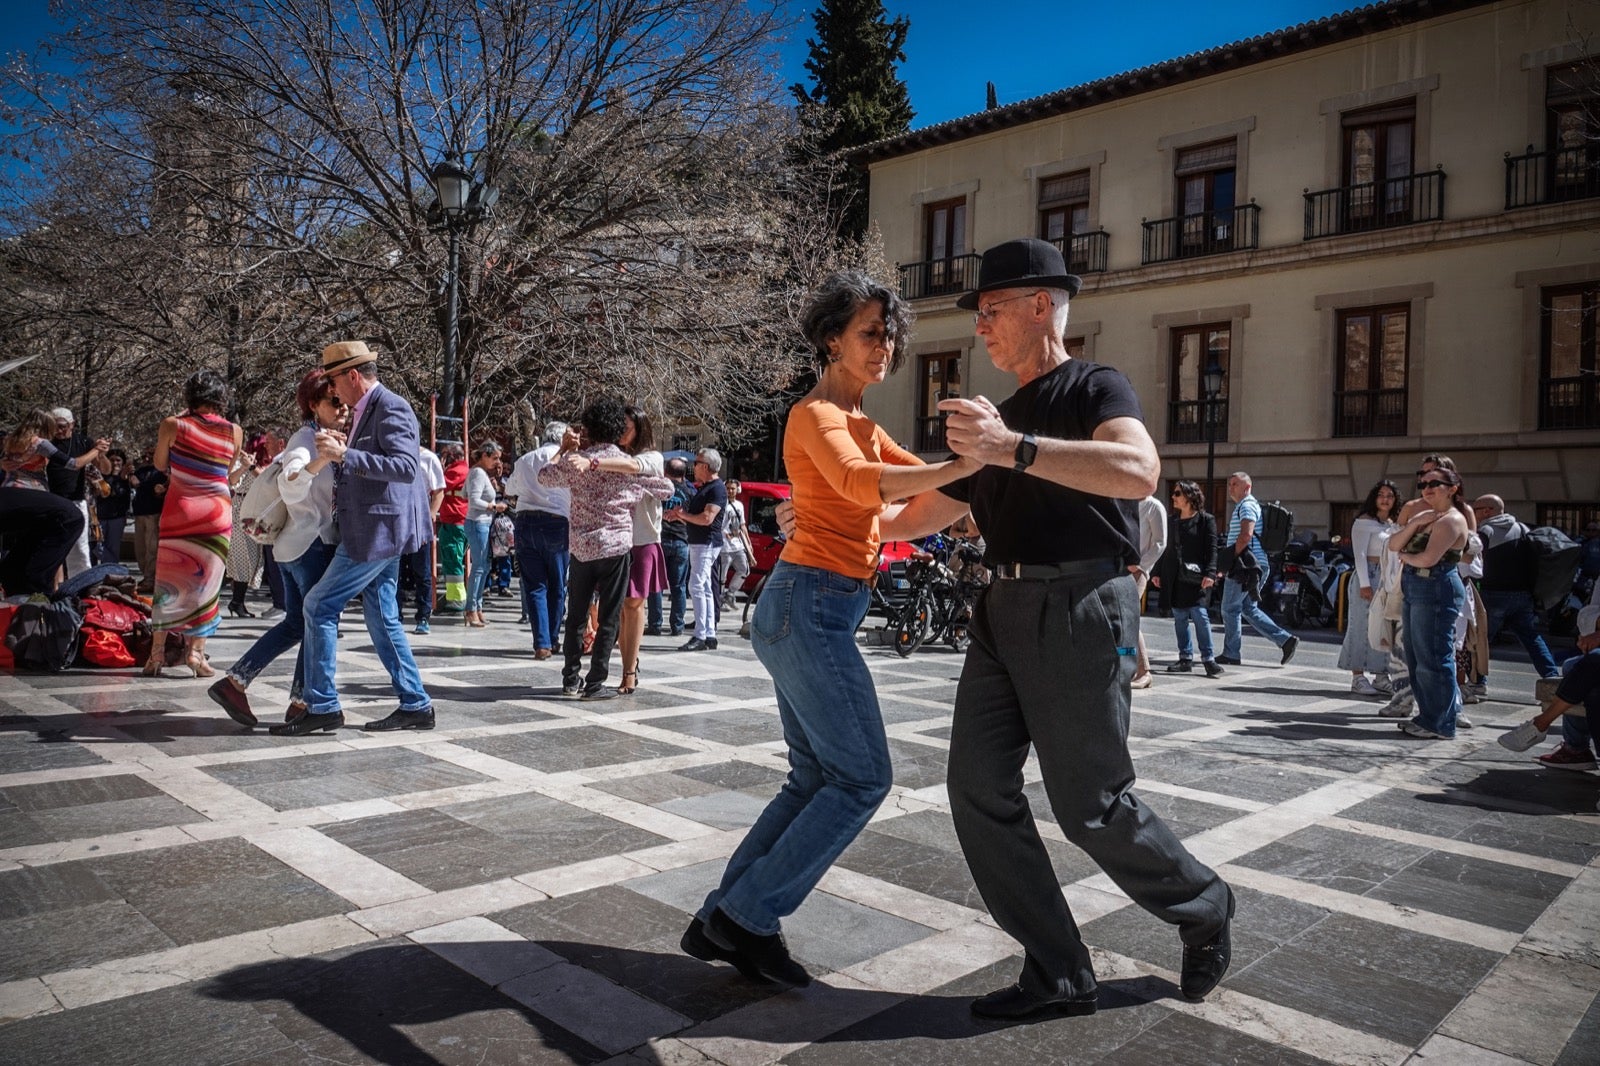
(331, 445)
(974, 430)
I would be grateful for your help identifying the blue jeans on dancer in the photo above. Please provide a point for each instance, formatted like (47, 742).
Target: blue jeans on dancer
(299, 576)
(376, 582)
(803, 631)
(1432, 605)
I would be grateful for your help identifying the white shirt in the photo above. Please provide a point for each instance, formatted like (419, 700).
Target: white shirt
(430, 470)
(1367, 537)
(308, 499)
(1152, 532)
(647, 512)
(532, 496)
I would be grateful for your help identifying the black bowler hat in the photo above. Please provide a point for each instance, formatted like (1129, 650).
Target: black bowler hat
(1024, 264)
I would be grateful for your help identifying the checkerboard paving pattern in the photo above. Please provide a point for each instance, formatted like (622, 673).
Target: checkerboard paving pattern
(510, 888)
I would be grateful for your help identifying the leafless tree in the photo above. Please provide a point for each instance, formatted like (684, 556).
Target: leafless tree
(235, 185)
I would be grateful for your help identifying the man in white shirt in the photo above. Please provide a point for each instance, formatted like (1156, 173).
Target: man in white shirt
(1152, 542)
(419, 564)
(541, 540)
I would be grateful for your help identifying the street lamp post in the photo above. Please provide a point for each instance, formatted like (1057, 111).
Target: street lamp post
(1211, 384)
(464, 201)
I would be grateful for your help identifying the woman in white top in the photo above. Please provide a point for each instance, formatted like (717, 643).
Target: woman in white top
(481, 509)
(303, 548)
(1374, 522)
(647, 569)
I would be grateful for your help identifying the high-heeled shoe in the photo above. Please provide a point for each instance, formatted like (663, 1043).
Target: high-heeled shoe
(201, 668)
(240, 611)
(152, 669)
(626, 689)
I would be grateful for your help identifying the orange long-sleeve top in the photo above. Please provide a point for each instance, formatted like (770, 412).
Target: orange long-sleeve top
(835, 461)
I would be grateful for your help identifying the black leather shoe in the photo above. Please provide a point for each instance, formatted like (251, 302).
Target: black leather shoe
(1290, 646)
(761, 958)
(653, 631)
(308, 723)
(696, 943)
(231, 698)
(422, 719)
(695, 644)
(1212, 669)
(711, 644)
(1182, 666)
(1204, 964)
(1228, 660)
(1018, 1004)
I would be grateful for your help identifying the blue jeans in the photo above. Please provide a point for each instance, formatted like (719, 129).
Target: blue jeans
(1432, 605)
(542, 556)
(299, 576)
(1236, 610)
(804, 633)
(376, 582)
(702, 581)
(677, 554)
(500, 574)
(478, 552)
(1181, 617)
(1515, 609)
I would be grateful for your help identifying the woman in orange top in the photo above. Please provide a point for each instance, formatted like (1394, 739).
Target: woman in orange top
(845, 470)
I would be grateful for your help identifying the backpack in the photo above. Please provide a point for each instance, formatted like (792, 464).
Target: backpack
(1555, 562)
(44, 633)
(262, 512)
(1277, 525)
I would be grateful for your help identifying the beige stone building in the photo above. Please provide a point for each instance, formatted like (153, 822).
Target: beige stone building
(1381, 229)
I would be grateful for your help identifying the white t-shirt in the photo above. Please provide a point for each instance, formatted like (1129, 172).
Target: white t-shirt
(430, 470)
(532, 496)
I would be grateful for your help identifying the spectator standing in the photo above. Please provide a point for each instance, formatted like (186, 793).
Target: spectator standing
(1152, 542)
(1191, 546)
(704, 514)
(543, 554)
(1510, 568)
(71, 483)
(502, 538)
(149, 490)
(675, 549)
(41, 525)
(737, 552)
(419, 563)
(452, 529)
(1244, 536)
(482, 506)
(1429, 545)
(1368, 533)
(114, 506)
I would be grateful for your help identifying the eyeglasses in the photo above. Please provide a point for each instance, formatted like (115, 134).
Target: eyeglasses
(1433, 484)
(987, 314)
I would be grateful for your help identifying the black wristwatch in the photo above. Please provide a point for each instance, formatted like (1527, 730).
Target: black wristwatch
(1027, 451)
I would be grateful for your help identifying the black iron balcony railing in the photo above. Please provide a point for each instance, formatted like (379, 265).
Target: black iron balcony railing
(1369, 413)
(1552, 177)
(937, 277)
(1186, 421)
(1375, 205)
(930, 435)
(1204, 233)
(1085, 253)
(1570, 403)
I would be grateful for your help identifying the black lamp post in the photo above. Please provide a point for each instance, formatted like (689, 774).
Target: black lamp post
(464, 201)
(1211, 384)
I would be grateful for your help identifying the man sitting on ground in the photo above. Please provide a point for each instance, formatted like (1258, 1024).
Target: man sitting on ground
(1580, 686)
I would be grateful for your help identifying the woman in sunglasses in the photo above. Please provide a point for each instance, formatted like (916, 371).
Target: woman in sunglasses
(303, 548)
(1429, 546)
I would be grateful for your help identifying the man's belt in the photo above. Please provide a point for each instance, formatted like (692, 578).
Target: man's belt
(1053, 571)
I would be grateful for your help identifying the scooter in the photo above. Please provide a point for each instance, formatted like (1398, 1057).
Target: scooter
(1308, 592)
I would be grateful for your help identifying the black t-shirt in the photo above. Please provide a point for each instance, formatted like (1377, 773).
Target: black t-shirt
(145, 499)
(712, 493)
(675, 530)
(65, 482)
(1581, 685)
(115, 504)
(1026, 519)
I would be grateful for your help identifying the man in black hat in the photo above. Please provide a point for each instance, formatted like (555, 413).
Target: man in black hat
(1054, 638)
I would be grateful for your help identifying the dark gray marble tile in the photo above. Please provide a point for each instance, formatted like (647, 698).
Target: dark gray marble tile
(58, 886)
(651, 789)
(896, 711)
(737, 775)
(64, 939)
(18, 830)
(573, 749)
(1585, 1039)
(205, 736)
(917, 765)
(26, 750)
(120, 816)
(1402, 953)
(738, 728)
(78, 791)
(1485, 892)
(931, 871)
(1197, 769)
(302, 767)
(1179, 1040)
(1348, 862)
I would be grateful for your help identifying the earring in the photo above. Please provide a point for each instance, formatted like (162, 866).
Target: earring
(833, 357)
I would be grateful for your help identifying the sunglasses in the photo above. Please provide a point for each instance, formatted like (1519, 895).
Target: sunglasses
(336, 403)
(1432, 484)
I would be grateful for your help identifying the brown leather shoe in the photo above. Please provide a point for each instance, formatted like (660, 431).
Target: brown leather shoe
(231, 698)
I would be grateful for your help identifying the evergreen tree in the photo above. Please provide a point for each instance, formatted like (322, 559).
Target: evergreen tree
(858, 96)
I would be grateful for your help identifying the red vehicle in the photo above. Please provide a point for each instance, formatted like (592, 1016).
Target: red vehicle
(761, 499)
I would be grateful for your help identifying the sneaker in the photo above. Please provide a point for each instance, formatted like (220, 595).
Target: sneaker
(1479, 689)
(571, 691)
(422, 629)
(1360, 686)
(1182, 666)
(272, 612)
(1384, 684)
(597, 691)
(1566, 757)
(1411, 729)
(1469, 697)
(1524, 737)
(1399, 705)
(1229, 660)
(1462, 721)
(1212, 669)
(1290, 646)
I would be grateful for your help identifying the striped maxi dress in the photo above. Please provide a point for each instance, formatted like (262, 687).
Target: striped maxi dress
(196, 520)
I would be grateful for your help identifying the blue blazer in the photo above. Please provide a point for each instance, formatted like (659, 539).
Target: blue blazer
(382, 502)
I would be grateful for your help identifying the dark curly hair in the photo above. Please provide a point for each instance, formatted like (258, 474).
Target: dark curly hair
(205, 388)
(836, 301)
(1369, 506)
(1192, 492)
(604, 421)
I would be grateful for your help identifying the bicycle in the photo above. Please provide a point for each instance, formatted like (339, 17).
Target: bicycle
(940, 600)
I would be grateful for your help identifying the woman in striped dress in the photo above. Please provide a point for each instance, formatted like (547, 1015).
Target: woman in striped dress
(196, 449)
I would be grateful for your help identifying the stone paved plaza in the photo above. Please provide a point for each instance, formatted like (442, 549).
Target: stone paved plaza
(510, 888)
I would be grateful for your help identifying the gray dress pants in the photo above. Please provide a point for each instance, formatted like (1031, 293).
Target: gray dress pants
(1049, 667)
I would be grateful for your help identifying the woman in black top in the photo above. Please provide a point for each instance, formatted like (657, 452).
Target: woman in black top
(1187, 570)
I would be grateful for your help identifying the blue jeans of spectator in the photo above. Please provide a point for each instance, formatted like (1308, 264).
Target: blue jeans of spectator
(677, 555)
(111, 540)
(420, 565)
(803, 629)
(1432, 605)
(1515, 609)
(477, 530)
(500, 573)
(376, 581)
(1181, 617)
(1237, 609)
(1575, 729)
(542, 556)
(299, 577)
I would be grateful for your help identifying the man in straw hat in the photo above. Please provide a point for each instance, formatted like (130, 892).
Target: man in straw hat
(1054, 640)
(381, 511)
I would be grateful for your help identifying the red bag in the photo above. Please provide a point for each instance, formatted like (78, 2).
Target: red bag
(8, 663)
(109, 614)
(101, 647)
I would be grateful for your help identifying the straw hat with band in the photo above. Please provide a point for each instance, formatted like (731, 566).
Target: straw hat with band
(346, 355)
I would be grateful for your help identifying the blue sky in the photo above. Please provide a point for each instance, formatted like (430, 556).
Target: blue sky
(1026, 47)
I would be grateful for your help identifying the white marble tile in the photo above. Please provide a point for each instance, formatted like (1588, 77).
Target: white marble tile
(217, 800)
(610, 1017)
(336, 867)
(1570, 927)
(1441, 1050)
(1527, 1007)
(93, 847)
(894, 900)
(25, 999)
(440, 907)
(713, 845)
(582, 876)
(935, 960)
(1456, 847)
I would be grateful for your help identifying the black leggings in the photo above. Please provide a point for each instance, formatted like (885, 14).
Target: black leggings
(40, 528)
